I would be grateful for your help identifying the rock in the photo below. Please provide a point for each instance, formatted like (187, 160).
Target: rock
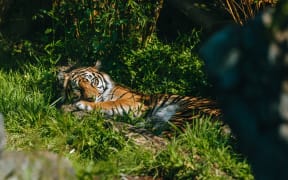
(32, 165)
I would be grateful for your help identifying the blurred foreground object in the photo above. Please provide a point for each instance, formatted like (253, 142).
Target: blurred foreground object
(248, 67)
(210, 16)
(32, 165)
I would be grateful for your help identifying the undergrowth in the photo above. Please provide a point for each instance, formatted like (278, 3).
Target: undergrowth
(122, 35)
(96, 150)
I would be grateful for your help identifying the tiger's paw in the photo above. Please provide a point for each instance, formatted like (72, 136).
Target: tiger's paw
(83, 105)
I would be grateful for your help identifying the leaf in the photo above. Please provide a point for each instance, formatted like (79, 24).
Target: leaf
(48, 31)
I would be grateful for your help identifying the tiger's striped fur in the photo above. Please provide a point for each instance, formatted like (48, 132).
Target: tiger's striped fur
(91, 89)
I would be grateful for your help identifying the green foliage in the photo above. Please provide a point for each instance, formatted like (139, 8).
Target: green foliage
(202, 152)
(131, 160)
(96, 149)
(27, 112)
(120, 33)
(93, 138)
(90, 30)
(163, 68)
(15, 96)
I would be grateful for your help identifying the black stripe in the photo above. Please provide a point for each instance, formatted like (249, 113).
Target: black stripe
(113, 111)
(113, 92)
(177, 99)
(123, 109)
(124, 94)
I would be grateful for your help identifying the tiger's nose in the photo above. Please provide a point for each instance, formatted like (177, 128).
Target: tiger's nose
(75, 96)
(89, 97)
(92, 99)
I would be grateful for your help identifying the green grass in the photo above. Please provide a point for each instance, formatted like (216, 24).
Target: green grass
(203, 152)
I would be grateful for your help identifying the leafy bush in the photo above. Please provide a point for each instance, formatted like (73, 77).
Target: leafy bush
(121, 35)
(90, 30)
(163, 68)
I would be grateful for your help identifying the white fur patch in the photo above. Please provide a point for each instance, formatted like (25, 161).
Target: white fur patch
(80, 105)
(109, 87)
(165, 113)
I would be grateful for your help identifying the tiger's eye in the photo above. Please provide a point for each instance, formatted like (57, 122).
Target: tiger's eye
(73, 84)
(74, 95)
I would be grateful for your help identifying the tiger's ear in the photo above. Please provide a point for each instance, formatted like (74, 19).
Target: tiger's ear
(98, 64)
(62, 78)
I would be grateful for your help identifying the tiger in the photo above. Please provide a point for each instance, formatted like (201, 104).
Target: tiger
(90, 89)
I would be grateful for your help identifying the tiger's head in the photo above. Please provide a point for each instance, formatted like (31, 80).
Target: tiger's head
(86, 83)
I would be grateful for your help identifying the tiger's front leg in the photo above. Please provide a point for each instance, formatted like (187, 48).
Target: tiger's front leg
(110, 108)
(86, 105)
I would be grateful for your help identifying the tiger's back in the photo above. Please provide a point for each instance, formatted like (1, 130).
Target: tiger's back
(178, 110)
(91, 89)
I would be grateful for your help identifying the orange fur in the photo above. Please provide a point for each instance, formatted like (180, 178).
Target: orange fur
(95, 90)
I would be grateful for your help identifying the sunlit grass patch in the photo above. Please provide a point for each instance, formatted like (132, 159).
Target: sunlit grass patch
(97, 149)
